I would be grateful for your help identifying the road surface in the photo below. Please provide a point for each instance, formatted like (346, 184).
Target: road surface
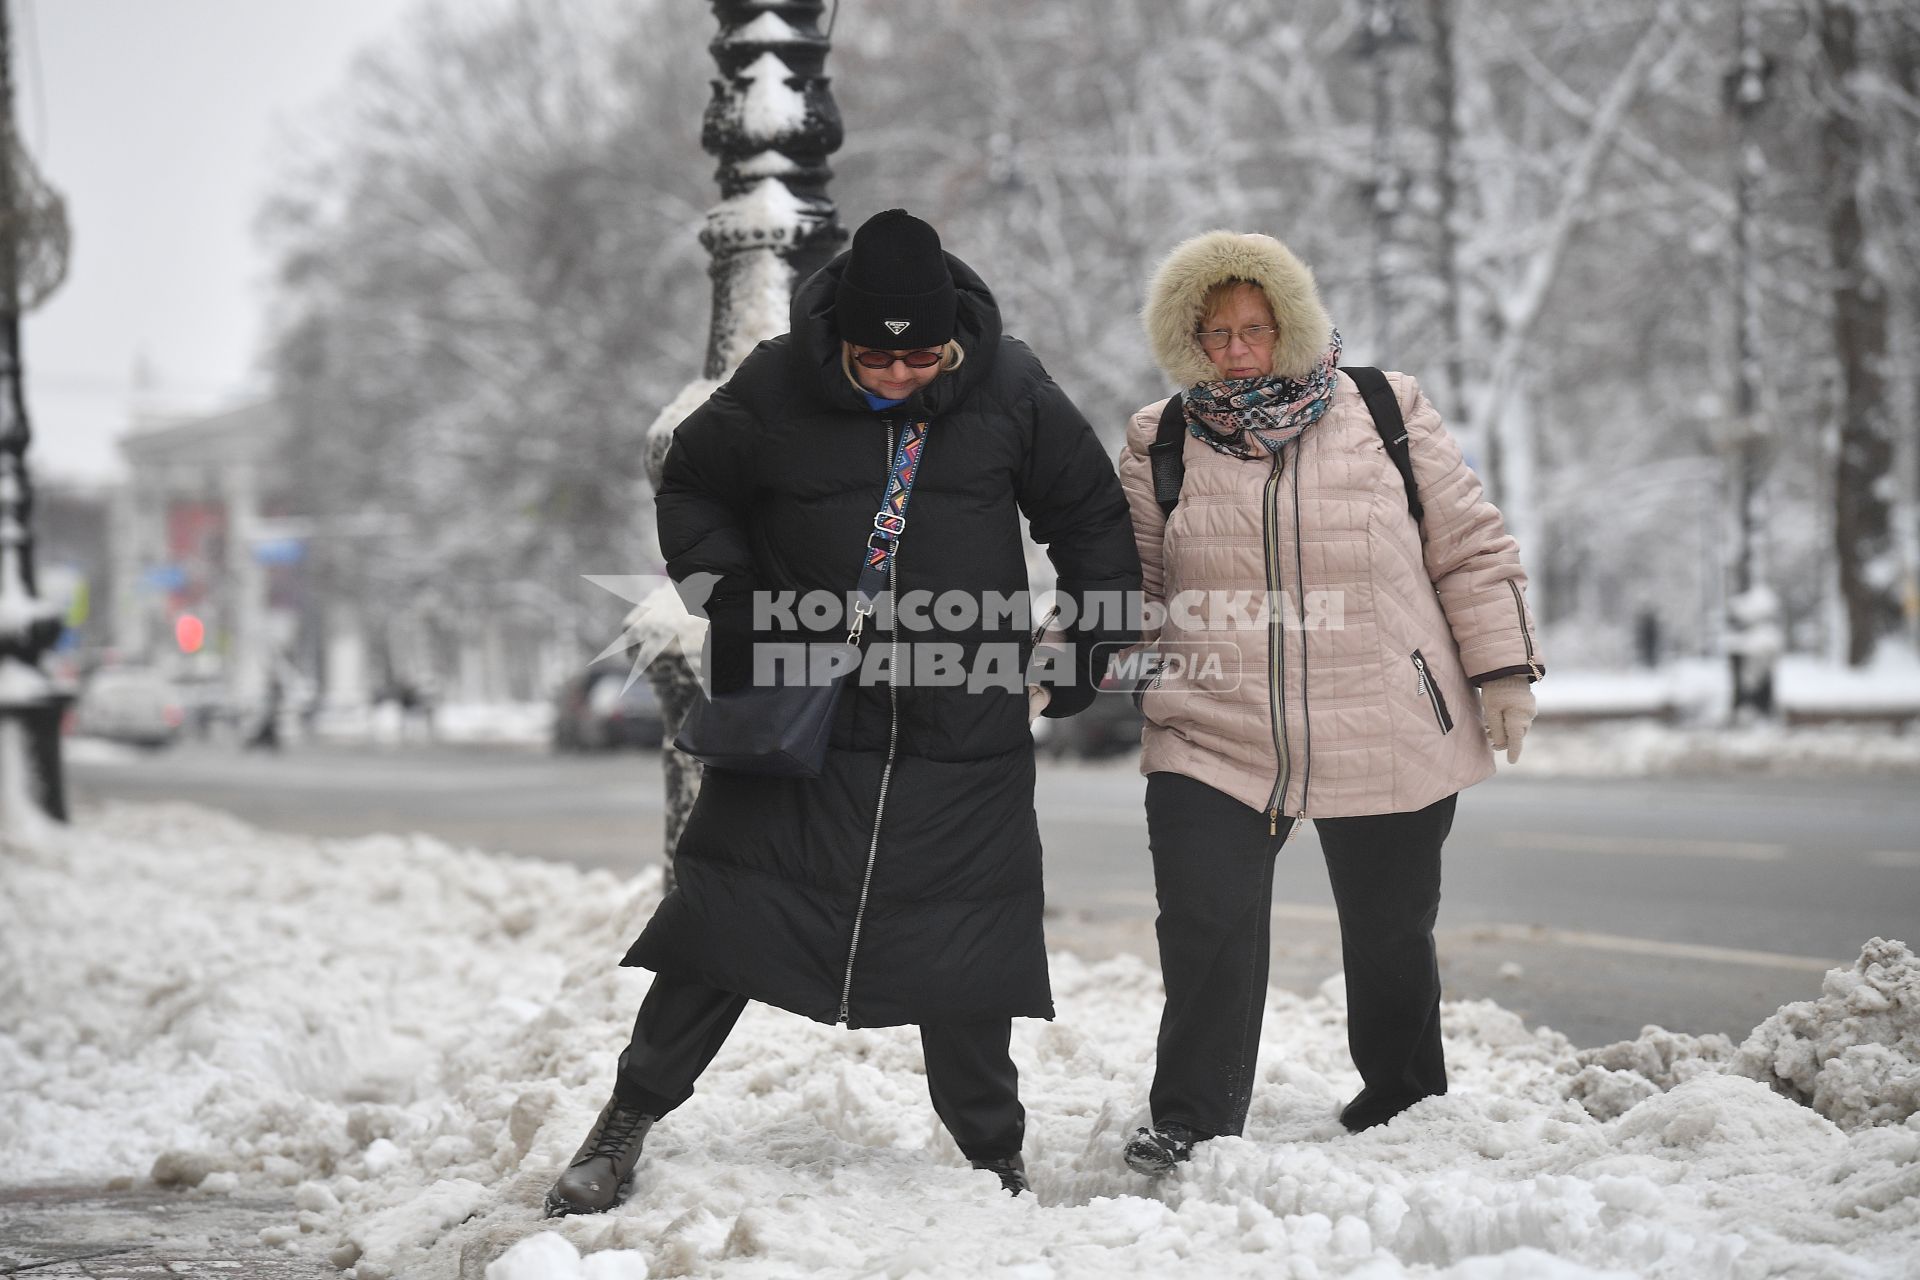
(1593, 907)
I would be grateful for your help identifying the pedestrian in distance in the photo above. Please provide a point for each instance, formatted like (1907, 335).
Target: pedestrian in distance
(1393, 603)
(902, 885)
(266, 735)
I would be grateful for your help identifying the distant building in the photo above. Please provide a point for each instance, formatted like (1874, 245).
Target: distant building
(206, 530)
(211, 528)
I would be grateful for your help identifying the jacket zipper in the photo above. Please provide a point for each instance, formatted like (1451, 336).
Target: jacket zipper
(1300, 606)
(1525, 639)
(1276, 642)
(886, 772)
(1430, 689)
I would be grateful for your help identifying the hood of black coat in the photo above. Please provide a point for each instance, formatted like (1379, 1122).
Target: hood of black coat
(816, 343)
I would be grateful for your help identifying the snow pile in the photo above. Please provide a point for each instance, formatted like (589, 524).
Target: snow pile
(516, 723)
(1700, 690)
(412, 1039)
(1674, 719)
(186, 993)
(1644, 748)
(1853, 1055)
(1888, 683)
(529, 723)
(1616, 1077)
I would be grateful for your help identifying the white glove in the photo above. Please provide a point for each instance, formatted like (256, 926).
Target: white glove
(1506, 705)
(1038, 696)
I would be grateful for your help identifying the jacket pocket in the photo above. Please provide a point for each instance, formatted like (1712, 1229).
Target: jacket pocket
(1140, 688)
(1146, 684)
(1430, 690)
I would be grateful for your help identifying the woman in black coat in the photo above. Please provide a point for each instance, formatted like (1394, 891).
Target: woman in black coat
(903, 884)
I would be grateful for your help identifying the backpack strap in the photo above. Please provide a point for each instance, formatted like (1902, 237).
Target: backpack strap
(1166, 456)
(1381, 403)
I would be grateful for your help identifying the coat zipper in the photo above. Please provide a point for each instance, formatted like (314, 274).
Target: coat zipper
(886, 772)
(1525, 639)
(1276, 642)
(1300, 605)
(1430, 689)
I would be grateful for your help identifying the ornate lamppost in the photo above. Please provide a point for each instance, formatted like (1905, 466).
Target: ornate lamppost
(1754, 638)
(771, 123)
(33, 261)
(1384, 28)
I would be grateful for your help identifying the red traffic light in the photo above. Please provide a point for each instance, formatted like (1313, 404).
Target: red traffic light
(189, 633)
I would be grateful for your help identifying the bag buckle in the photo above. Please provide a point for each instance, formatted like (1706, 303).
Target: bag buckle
(890, 524)
(862, 610)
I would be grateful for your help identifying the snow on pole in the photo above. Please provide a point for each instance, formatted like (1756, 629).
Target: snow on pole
(1752, 610)
(22, 818)
(33, 262)
(771, 123)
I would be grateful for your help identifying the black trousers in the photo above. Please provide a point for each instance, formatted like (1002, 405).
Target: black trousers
(970, 1073)
(1213, 865)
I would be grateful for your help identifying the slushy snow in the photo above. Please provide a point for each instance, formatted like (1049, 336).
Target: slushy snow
(410, 1039)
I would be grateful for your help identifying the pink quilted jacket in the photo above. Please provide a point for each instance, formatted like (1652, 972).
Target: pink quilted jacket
(1359, 696)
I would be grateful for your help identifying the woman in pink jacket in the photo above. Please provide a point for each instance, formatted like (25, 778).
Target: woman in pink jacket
(1323, 653)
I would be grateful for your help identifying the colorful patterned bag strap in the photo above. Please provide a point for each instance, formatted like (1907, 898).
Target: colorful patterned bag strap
(888, 524)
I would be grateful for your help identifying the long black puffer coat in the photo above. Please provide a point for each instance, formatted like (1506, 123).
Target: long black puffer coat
(788, 891)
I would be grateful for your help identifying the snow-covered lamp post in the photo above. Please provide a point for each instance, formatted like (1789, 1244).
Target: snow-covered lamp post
(33, 261)
(1754, 638)
(1383, 28)
(771, 123)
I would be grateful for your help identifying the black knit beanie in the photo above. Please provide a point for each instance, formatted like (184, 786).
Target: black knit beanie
(896, 292)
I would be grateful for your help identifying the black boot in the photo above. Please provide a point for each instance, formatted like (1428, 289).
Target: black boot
(601, 1174)
(1369, 1109)
(1012, 1171)
(1156, 1150)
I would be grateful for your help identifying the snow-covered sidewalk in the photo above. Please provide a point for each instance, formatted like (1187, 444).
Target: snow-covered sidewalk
(412, 1038)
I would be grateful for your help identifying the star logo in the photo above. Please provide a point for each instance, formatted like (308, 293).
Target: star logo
(661, 617)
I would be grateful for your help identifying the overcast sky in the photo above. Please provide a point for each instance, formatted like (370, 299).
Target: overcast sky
(156, 119)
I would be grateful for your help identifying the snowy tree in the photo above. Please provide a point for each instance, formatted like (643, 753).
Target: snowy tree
(1864, 483)
(487, 274)
(493, 279)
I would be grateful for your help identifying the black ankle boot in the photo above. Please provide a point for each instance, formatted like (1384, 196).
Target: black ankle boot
(1154, 1151)
(1369, 1109)
(1012, 1171)
(601, 1174)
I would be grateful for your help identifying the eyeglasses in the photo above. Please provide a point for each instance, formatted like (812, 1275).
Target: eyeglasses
(873, 358)
(1254, 335)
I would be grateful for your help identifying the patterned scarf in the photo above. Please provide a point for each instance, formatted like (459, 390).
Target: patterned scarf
(1240, 416)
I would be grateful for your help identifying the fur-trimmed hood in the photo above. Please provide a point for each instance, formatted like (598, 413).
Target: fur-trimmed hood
(1178, 292)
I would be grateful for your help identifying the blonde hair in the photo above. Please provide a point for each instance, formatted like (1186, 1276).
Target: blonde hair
(951, 356)
(1216, 297)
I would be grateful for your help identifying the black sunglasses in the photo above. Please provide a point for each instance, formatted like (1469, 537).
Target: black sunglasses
(874, 358)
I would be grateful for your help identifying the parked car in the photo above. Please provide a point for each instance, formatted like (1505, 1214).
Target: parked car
(593, 713)
(133, 705)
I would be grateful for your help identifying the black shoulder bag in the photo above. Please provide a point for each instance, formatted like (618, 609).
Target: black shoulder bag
(782, 730)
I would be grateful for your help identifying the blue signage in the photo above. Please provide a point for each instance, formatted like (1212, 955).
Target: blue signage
(164, 577)
(280, 550)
